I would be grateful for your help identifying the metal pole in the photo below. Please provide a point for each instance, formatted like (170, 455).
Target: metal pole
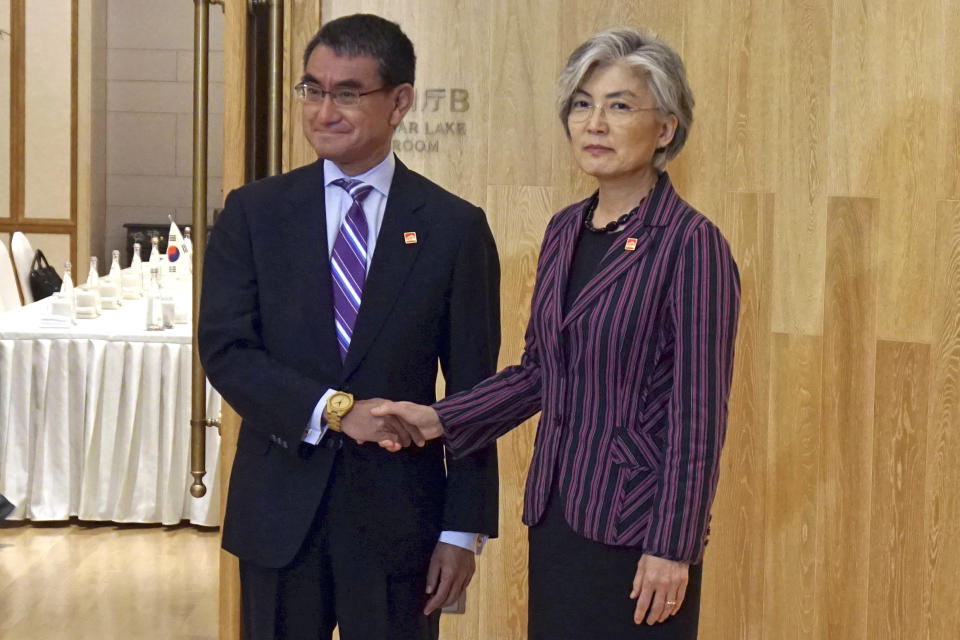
(275, 103)
(198, 419)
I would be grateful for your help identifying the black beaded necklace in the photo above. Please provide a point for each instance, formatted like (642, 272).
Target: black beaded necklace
(610, 227)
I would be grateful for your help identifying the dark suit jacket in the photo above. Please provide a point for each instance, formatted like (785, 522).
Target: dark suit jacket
(633, 382)
(267, 343)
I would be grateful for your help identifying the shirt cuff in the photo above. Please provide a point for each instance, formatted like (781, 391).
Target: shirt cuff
(471, 541)
(316, 428)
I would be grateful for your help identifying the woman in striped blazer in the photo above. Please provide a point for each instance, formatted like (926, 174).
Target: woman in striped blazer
(629, 356)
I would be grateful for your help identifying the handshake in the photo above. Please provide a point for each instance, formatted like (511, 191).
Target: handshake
(392, 425)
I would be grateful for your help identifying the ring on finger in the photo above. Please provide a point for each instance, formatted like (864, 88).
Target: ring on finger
(671, 603)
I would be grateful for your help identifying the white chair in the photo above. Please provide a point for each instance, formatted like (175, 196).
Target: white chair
(9, 297)
(23, 261)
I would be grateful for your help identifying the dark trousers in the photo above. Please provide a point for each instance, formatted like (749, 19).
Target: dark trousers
(580, 588)
(335, 580)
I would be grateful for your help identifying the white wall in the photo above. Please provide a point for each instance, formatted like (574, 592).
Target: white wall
(149, 107)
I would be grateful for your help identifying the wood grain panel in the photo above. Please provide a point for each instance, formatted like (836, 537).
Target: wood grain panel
(794, 450)
(849, 352)
(518, 217)
(452, 43)
(948, 101)
(18, 83)
(942, 489)
(856, 66)
(523, 74)
(5, 95)
(733, 571)
(703, 184)
(301, 20)
(899, 456)
(753, 50)
(910, 130)
(801, 194)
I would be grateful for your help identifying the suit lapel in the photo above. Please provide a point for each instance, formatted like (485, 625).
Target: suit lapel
(654, 212)
(566, 245)
(305, 240)
(392, 260)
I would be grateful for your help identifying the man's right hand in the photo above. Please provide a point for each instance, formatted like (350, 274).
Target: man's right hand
(418, 418)
(363, 426)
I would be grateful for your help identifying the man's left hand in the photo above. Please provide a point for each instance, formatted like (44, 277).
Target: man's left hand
(451, 569)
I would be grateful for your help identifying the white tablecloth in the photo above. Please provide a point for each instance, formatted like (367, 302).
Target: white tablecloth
(95, 420)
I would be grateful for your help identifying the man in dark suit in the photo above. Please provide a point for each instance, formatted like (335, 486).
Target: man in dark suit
(324, 289)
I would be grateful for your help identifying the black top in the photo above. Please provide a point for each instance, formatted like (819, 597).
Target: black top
(590, 249)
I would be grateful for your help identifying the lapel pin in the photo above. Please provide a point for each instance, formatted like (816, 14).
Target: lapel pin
(631, 244)
(410, 237)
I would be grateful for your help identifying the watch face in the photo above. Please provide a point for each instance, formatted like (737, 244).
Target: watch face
(339, 401)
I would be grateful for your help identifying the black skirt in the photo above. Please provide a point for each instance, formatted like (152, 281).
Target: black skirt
(579, 588)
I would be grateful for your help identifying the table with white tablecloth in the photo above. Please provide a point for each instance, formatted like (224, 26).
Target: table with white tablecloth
(95, 420)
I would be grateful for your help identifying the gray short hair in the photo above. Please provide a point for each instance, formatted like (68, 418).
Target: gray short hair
(652, 59)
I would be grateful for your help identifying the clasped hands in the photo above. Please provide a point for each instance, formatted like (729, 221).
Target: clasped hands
(392, 425)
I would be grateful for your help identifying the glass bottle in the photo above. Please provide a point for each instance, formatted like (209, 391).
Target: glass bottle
(154, 301)
(136, 265)
(154, 249)
(93, 283)
(115, 268)
(66, 289)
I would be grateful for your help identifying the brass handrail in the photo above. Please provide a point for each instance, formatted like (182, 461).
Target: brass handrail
(275, 103)
(201, 64)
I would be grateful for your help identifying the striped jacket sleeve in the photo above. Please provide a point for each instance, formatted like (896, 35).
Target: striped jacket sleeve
(704, 305)
(476, 418)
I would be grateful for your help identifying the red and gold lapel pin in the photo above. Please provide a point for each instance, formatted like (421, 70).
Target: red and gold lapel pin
(410, 237)
(631, 244)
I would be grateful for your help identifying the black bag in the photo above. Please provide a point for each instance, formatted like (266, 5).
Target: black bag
(44, 281)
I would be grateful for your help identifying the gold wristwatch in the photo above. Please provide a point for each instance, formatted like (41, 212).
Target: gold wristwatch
(338, 405)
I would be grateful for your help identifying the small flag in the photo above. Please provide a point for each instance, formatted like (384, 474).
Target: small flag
(631, 244)
(174, 242)
(410, 237)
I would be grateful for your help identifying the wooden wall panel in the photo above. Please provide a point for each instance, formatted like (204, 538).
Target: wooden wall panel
(519, 213)
(802, 159)
(839, 499)
(523, 81)
(911, 60)
(5, 60)
(705, 31)
(942, 490)
(736, 574)
(790, 530)
(855, 104)
(948, 104)
(849, 352)
(301, 20)
(896, 572)
(754, 97)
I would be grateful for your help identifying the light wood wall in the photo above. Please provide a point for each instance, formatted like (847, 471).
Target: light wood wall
(826, 145)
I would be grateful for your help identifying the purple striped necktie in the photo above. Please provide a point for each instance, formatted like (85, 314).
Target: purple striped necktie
(348, 263)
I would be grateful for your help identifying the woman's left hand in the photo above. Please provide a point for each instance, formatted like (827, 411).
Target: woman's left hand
(658, 588)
